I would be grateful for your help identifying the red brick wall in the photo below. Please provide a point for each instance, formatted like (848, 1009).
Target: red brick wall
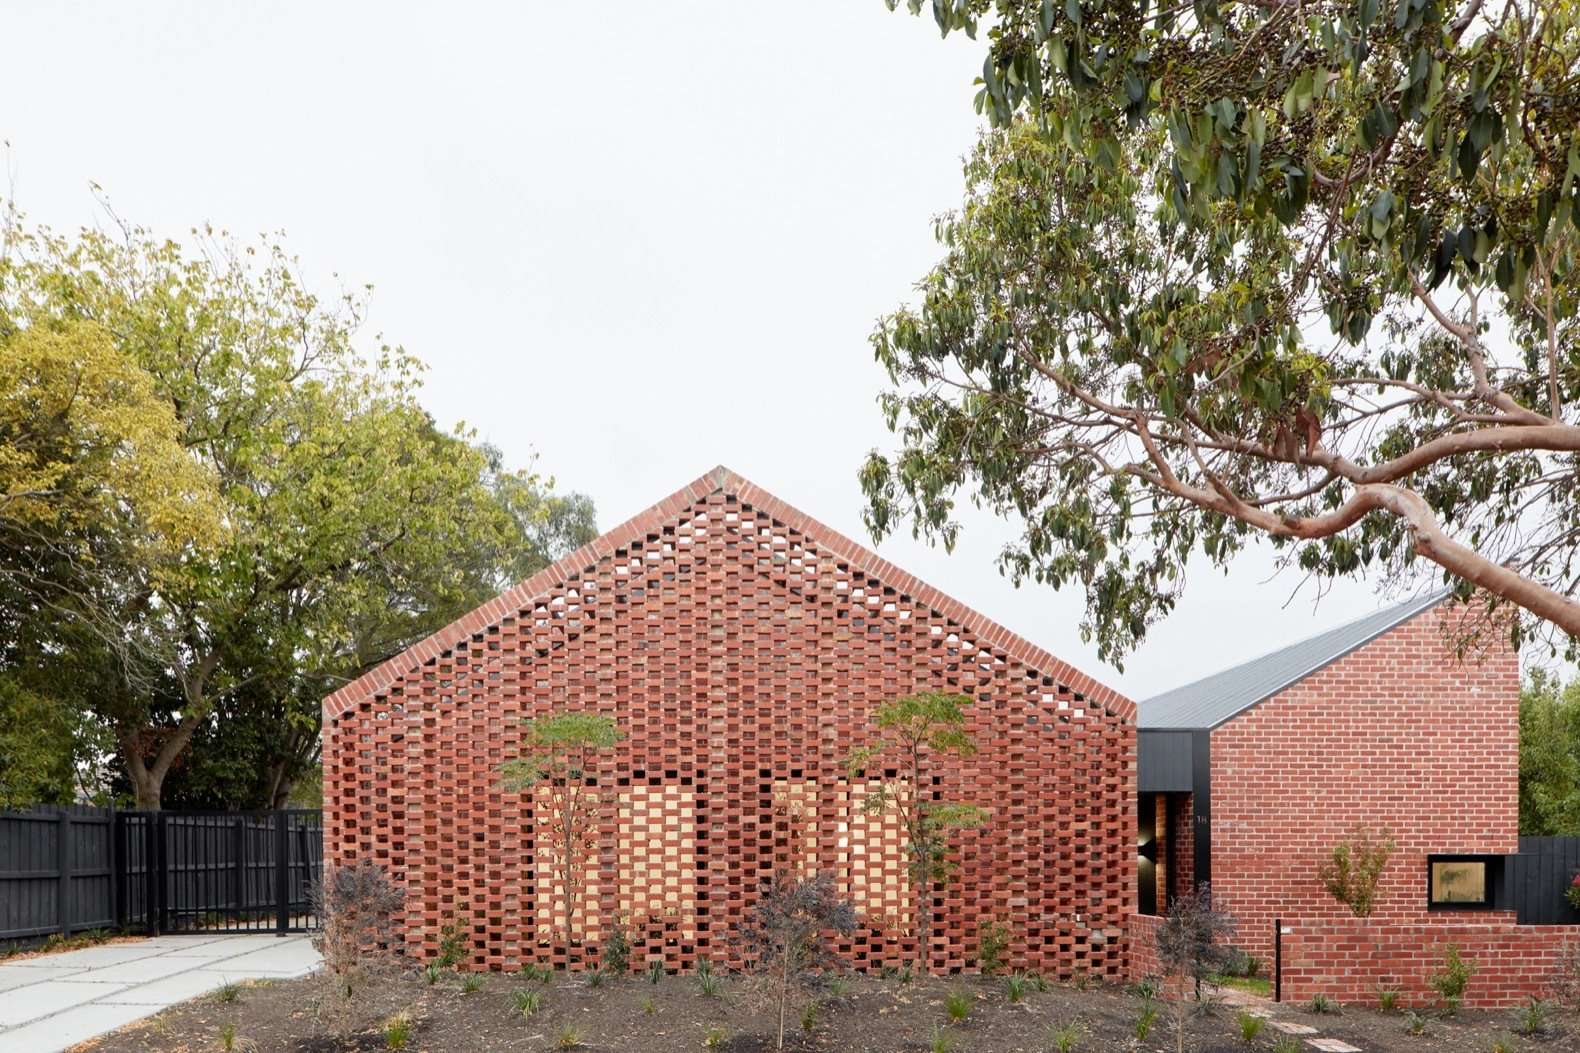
(1182, 833)
(741, 648)
(1142, 930)
(1348, 958)
(1398, 734)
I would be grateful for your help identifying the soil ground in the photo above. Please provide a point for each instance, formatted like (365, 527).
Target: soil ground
(863, 1015)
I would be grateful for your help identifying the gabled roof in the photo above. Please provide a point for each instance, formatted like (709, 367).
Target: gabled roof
(524, 597)
(1216, 699)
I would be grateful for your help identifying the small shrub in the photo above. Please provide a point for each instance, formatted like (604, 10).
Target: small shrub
(227, 993)
(1252, 966)
(536, 974)
(649, 1006)
(1146, 1019)
(471, 983)
(1534, 1017)
(528, 1002)
(452, 943)
(594, 978)
(1572, 893)
(1353, 869)
(1450, 981)
(1192, 941)
(397, 1031)
(431, 973)
(1015, 989)
(958, 1005)
(1414, 1023)
(1287, 1044)
(1064, 1037)
(616, 950)
(1387, 999)
(356, 906)
(904, 974)
(992, 941)
(1250, 1026)
(942, 1041)
(1148, 989)
(1039, 982)
(655, 972)
(227, 1037)
(837, 987)
(569, 1038)
(1322, 1005)
(783, 936)
(714, 1037)
(809, 1016)
(707, 982)
(1502, 1044)
(1081, 980)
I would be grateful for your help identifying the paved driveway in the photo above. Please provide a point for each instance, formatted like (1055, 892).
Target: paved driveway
(54, 1001)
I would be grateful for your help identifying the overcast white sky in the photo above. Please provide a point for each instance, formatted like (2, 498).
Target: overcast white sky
(636, 239)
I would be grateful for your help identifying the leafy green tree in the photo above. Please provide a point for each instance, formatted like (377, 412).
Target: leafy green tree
(560, 751)
(915, 732)
(338, 523)
(1123, 349)
(37, 748)
(1549, 756)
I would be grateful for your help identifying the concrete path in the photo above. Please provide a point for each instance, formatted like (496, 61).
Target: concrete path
(54, 1001)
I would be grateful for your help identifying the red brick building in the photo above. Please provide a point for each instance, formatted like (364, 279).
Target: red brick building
(1258, 771)
(741, 647)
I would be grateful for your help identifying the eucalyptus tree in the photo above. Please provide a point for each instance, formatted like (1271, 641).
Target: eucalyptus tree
(1225, 271)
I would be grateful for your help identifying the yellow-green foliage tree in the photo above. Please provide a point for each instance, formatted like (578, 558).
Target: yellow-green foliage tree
(221, 503)
(914, 734)
(559, 753)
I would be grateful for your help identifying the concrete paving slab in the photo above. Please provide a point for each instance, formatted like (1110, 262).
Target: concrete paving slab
(291, 958)
(1332, 1045)
(76, 995)
(22, 1004)
(53, 1034)
(170, 990)
(135, 972)
(227, 947)
(93, 957)
(1291, 1028)
(12, 976)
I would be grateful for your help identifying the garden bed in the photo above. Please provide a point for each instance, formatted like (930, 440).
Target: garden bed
(864, 1014)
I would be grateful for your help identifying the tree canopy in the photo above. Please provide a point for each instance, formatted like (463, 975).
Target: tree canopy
(1236, 270)
(217, 507)
(1549, 756)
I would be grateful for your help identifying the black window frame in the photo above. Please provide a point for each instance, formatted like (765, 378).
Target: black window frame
(1492, 886)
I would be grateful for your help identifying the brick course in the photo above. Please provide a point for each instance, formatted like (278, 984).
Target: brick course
(741, 646)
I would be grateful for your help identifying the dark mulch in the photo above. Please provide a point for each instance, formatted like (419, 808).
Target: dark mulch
(869, 1016)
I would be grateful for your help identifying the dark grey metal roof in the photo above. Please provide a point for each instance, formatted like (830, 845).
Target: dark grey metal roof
(1212, 700)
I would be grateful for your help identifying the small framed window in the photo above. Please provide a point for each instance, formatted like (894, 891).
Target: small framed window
(1462, 882)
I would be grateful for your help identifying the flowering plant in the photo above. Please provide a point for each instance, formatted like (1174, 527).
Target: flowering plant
(1572, 893)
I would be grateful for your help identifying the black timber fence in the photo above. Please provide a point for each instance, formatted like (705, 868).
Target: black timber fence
(1539, 876)
(77, 868)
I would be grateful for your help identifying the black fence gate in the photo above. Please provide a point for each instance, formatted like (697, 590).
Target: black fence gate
(219, 871)
(65, 870)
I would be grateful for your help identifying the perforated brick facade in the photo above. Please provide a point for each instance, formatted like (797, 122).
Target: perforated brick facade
(741, 647)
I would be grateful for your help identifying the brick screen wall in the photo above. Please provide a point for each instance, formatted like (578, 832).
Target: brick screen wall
(1397, 734)
(741, 647)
